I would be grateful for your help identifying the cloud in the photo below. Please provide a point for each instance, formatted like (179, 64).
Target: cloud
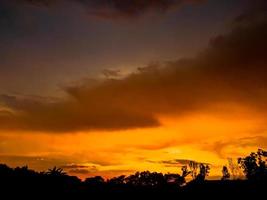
(158, 146)
(114, 9)
(91, 171)
(231, 70)
(220, 147)
(73, 166)
(111, 73)
(110, 173)
(70, 115)
(176, 162)
(79, 171)
(40, 163)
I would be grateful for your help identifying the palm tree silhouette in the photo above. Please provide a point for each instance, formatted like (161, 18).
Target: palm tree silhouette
(56, 172)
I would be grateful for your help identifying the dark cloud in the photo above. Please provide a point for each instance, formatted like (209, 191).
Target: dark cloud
(73, 166)
(5, 113)
(117, 172)
(176, 162)
(94, 171)
(40, 163)
(111, 73)
(79, 171)
(70, 115)
(39, 2)
(113, 9)
(231, 70)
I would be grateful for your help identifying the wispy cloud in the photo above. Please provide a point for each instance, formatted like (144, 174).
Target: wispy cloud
(176, 162)
(221, 147)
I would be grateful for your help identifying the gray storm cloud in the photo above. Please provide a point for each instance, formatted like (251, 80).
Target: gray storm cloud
(232, 69)
(118, 8)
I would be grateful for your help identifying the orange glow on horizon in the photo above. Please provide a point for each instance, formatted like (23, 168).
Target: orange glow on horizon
(202, 137)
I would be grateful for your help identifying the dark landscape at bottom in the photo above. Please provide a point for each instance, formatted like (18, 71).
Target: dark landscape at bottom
(22, 182)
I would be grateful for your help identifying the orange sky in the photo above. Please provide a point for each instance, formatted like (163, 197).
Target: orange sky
(202, 137)
(160, 98)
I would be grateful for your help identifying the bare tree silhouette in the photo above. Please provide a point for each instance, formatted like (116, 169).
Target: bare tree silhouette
(193, 169)
(234, 168)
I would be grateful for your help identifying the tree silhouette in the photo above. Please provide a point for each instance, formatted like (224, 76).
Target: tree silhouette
(185, 171)
(120, 180)
(234, 168)
(94, 181)
(174, 179)
(254, 166)
(203, 172)
(56, 172)
(146, 178)
(55, 181)
(193, 169)
(226, 174)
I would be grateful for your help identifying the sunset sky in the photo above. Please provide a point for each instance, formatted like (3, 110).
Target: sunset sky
(110, 87)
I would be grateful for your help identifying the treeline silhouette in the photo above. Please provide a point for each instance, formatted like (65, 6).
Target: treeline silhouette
(24, 182)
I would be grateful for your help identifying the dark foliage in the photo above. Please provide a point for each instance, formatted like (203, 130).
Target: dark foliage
(55, 183)
(254, 165)
(226, 175)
